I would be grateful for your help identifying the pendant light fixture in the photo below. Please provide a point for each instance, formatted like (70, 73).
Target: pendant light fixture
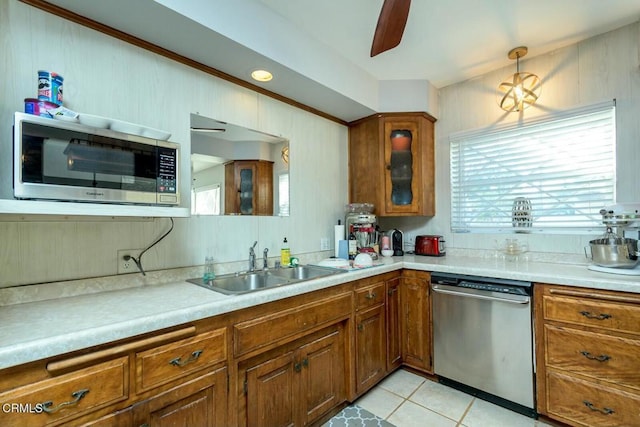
(520, 90)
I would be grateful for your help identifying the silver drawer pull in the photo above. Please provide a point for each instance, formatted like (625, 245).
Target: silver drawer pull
(601, 358)
(194, 356)
(370, 295)
(590, 315)
(77, 396)
(605, 411)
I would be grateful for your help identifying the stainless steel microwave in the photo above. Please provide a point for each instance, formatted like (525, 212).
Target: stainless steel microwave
(60, 160)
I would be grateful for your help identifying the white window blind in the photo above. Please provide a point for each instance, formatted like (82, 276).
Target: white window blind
(563, 163)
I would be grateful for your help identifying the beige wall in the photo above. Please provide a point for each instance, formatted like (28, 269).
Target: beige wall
(601, 68)
(110, 78)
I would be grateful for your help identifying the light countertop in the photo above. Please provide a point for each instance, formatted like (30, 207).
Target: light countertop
(41, 329)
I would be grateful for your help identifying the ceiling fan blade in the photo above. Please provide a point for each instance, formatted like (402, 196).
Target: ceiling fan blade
(391, 23)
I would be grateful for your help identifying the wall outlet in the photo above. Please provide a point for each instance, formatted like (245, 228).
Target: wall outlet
(324, 244)
(126, 266)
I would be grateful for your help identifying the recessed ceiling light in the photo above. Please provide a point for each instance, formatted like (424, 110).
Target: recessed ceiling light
(261, 75)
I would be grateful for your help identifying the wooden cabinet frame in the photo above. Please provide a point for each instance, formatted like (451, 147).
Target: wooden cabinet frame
(370, 152)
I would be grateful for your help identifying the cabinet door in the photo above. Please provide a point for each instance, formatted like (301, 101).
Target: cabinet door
(402, 175)
(416, 327)
(271, 392)
(371, 348)
(117, 419)
(391, 163)
(394, 331)
(321, 364)
(199, 402)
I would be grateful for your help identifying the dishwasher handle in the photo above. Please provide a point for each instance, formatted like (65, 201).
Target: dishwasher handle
(474, 293)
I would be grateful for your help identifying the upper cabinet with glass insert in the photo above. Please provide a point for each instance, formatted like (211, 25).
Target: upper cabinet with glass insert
(391, 163)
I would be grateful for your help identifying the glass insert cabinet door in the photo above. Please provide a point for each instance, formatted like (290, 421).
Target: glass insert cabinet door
(249, 187)
(401, 151)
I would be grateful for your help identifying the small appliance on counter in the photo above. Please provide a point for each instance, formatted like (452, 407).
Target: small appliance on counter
(613, 252)
(397, 242)
(430, 245)
(362, 225)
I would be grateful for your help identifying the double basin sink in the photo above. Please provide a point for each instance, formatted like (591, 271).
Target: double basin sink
(240, 283)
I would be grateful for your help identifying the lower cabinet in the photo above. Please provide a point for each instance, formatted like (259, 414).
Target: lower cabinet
(293, 363)
(588, 356)
(295, 384)
(370, 336)
(415, 320)
(200, 402)
(394, 330)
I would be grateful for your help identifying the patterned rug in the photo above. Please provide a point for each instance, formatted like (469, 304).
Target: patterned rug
(355, 416)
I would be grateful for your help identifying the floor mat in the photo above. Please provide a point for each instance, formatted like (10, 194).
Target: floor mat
(355, 416)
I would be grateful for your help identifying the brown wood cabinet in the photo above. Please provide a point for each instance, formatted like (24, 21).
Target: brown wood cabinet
(391, 163)
(370, 335)
(416, 320)
(288, 362)
(394, 330)
(295, 384)
(588, 356)
(248, 187)
(61, 399)
(198, 402)
(172, 385)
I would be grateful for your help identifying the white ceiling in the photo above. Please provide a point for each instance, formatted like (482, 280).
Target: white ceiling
(319, 49)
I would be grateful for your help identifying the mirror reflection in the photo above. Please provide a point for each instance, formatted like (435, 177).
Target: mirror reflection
(237, 171)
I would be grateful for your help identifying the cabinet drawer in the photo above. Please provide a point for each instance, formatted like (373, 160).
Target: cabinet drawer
(68, 396)
(160, 365)
(269, 329)
(370, 296)
(615, 316)
(590, 404)
(600, 356)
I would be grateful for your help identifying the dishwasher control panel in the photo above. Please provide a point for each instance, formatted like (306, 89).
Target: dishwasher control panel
(492, 287)
(488, 284)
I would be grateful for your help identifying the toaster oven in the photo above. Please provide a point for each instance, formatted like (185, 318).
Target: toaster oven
(430, 245)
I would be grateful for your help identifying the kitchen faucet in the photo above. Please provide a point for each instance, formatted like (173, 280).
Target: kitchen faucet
(265, 264)
(252, 257)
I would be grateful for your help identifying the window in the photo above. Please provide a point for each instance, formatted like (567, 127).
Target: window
(563, 163)
(206, 200)
(283, 194)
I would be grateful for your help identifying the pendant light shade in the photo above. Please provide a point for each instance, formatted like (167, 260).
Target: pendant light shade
(520, 90)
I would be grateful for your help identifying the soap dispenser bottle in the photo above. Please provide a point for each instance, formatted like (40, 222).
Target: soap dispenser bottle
(285, 254)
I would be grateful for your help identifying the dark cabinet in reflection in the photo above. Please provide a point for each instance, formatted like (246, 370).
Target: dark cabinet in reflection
(248, 187)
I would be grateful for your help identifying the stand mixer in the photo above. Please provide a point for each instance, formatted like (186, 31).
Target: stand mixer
(622, 222)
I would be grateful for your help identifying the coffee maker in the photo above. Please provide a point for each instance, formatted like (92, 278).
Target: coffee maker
(397, 242)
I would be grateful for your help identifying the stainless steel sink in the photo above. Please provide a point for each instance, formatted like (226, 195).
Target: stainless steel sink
(304, 272)
(240, 283)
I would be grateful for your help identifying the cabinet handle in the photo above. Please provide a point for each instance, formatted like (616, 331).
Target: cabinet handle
(370, 295)
(590, 315)
(299, 365)
(392, 291)
(605, 410)
(194, 356)
(77, 396)
(360, 327)
(601, 358)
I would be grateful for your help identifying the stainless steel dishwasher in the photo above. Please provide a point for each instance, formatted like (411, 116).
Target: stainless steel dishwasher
(483, 340)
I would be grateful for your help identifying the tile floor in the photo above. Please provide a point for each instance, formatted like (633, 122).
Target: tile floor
(405, 399)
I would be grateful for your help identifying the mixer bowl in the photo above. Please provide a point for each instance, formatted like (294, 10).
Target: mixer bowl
(623, 254)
